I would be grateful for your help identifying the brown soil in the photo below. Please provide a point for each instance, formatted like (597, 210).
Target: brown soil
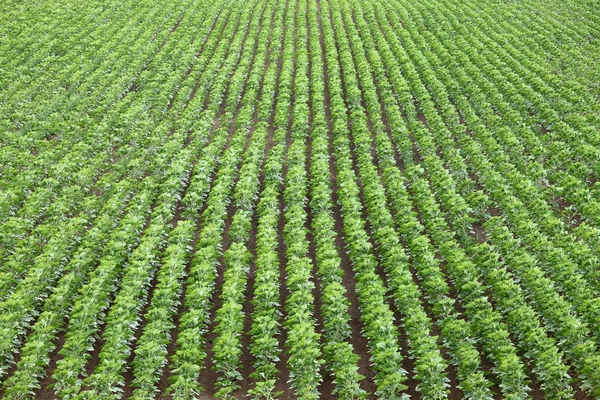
(488, 368)
(283, 377)
(247, 359)
(563, 207)
(327, 386)
(408, 363)
(45, 391)
(208, 376)
(357, 339)
(171, 347)
(479, 233)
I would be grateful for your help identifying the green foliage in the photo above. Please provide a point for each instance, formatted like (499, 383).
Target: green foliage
(303, 196)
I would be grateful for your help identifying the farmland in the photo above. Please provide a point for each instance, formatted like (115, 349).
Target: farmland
(300, 199)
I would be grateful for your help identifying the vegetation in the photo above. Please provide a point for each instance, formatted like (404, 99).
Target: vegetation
(311, 199)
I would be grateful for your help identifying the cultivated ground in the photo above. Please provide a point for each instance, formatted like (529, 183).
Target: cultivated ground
(300, 199)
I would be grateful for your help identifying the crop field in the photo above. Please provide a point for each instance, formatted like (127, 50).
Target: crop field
(300, 199)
